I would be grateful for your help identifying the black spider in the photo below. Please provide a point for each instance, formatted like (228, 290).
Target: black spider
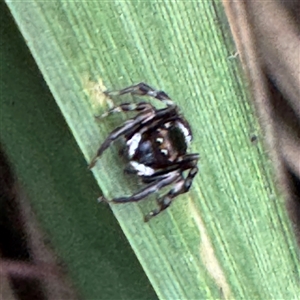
(156, 147)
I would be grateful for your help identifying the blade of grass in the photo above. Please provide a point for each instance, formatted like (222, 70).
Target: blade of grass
(230, 236)
(47, 162)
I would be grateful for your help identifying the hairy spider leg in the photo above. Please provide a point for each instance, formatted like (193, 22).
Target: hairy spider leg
(121, 130)
(161, 116)
(143, 89)
(125, 107)
(181, 186)
(131, 126)
(149, 189)
(186, 163)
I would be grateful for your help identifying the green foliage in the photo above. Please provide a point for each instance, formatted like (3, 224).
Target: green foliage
(229, 237)
(53, 173)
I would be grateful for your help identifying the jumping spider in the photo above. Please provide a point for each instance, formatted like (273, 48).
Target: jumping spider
(156, 147)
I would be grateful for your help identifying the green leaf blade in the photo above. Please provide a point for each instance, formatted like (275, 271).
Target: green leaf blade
(230, 211)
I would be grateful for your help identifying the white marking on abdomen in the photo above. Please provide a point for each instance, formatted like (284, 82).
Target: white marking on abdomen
(133, 144)
(142, 169)
(185, 132)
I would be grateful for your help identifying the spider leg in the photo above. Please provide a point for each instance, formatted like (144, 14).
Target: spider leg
(125, 107)
(181, 186)
(149, 189)
(186, 163)
(131, 126)
(143, 89)
(124, 129)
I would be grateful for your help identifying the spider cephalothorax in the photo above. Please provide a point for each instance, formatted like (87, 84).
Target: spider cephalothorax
(156, 147)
